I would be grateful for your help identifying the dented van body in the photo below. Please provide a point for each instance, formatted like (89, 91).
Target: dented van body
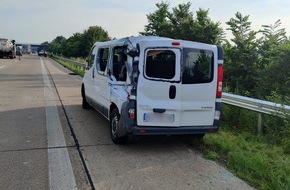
(155, 86)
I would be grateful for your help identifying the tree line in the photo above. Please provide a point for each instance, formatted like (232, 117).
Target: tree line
(253, 66)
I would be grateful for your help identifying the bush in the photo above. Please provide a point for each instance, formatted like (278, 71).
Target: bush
(239, 119)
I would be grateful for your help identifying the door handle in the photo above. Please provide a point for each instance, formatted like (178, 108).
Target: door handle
(172, 92)
(158, 110)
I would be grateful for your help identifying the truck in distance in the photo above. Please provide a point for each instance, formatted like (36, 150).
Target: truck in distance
(7, 48)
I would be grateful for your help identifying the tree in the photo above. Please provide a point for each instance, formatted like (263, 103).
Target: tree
(56, 46)
(79, 44)
(273, 34)
(72, 45)
(241, 58)
(158, 24)
(181, 24)
(89, 37)
(206, 30)
(272, 38)
(275, 78)
(275, 55)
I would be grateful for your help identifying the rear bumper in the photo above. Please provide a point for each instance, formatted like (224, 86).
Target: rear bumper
(144, 130)
(130, 126)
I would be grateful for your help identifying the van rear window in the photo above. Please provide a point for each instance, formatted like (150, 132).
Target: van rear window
(160, 64)
(197, 66)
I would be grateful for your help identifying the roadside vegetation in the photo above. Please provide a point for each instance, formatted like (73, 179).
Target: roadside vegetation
(261, 160)
(260, 163)
(77, 70)
(256, 64)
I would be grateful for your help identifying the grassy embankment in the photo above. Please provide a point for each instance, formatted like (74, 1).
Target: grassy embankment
(261, 160)
(77, 70)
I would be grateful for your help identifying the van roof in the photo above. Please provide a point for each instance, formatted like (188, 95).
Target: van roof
(135, 39)
(138, 39)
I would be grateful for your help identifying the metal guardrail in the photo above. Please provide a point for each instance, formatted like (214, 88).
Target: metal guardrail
(77, 63)
(260, 106)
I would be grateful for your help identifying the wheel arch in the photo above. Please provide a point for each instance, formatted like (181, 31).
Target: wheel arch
(112, 106)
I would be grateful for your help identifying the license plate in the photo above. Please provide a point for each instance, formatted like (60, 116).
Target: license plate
(158, 117)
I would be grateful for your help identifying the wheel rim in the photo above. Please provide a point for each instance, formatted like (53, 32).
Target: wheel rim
(114, 127)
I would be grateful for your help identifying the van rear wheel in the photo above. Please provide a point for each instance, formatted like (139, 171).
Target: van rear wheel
(115, 116)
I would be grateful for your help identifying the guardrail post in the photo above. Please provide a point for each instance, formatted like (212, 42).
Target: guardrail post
(260, 124)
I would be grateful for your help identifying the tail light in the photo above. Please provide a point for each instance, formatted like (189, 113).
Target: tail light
(219, 81)
(131, 113)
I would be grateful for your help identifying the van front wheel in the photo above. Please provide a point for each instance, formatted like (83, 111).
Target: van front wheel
(115, 116)
(85, 104)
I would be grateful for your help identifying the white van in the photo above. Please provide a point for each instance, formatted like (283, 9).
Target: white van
(155, 86)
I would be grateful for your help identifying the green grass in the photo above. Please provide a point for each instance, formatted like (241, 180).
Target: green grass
(72, 67)
(252, 158)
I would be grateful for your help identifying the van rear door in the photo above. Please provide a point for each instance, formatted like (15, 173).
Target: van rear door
(176, 86)
(158, 89)
(198, 86)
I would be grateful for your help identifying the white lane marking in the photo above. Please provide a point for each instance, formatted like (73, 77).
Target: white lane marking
(2, 66)
(60, 169)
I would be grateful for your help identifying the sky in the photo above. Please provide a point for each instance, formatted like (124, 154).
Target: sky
(37, 21)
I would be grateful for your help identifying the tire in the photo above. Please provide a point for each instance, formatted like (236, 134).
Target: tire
(11, 55)
(85, 104)
(114, 119)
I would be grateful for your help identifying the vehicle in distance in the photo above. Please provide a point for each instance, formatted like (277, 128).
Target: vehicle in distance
(155, 86)
(42, 53)
(19, 50)
(7, 48)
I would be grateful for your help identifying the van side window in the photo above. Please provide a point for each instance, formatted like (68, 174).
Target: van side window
(197, 66)
(91, 57)
(119, 63)
(160, 64)
(102, 59)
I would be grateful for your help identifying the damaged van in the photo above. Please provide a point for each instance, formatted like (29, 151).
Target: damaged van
(155, 86)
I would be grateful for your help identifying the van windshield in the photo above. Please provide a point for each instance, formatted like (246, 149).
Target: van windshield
(160, 63)
(197, 66)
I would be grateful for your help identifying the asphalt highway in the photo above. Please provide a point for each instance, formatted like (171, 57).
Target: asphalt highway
(47, 141)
